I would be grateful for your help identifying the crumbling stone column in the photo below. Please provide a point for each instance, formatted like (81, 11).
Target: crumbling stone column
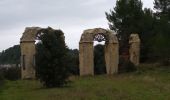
(112, 58)
(134, 50)
(86, 58)
(27, 43)
(27, 59)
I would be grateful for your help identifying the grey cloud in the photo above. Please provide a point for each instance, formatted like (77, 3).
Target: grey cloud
(72, 16)
(16, 12)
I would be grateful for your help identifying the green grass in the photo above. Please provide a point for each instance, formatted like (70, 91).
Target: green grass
(146, 84)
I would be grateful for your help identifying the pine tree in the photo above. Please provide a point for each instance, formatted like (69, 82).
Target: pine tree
(125, 18)
(163, 8)
(51, 61)
(11, 55)
(161, 45)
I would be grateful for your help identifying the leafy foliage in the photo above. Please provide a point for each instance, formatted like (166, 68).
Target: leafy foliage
(160, 41)
(126, 66)
(73, 61)
(10, 73)
(51, 59)
(153, 28)
(128, 17)
(124, 19)
(162, 7)
(1, 78)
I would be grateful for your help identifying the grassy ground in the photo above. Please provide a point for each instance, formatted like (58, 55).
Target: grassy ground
(146, 84)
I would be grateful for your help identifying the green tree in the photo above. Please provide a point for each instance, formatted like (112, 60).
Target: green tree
(147, 25)
(73, 61)
(163, 8)
(11, 55)
(125, 19)
(160, 41)
(128, 17)
(1, 77)
(51, 58)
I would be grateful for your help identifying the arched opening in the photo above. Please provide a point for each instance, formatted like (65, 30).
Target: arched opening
(28, 44)
(86, 51)
(99, 54)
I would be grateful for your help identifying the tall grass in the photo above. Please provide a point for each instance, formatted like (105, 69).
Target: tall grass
(148, 83)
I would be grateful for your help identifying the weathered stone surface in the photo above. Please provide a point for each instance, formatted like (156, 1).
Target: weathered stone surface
(134, 50)
(86, 51)
(30, 34)
(27, 60)
(27, 43)
(86, 58)
(111, 58)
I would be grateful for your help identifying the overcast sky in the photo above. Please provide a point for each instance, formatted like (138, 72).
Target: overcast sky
(71, 16)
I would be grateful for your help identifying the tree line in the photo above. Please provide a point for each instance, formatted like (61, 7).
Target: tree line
(10, 55)
(129, 16)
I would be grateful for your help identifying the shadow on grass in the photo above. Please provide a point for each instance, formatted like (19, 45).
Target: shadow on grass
(66, 86)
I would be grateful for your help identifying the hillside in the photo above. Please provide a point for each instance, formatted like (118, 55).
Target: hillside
(10, 55)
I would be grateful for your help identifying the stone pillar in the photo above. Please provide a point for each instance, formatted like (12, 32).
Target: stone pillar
(86, 58)
(111, 58)
(27, 59)
(134, 50)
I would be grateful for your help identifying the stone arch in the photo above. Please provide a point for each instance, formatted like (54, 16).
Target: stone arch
(28, 50)
(86, 51)
(134, 49)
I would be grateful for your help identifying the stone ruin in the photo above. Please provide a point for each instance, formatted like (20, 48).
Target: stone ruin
(86, 50)
(134, 49)
(28, 50)
(27, 44)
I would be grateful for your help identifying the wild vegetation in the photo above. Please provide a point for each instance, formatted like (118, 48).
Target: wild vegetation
(147, 82)
(10, 55)
(150, 82)
(51, 58)
(125, 18)
(128, 16)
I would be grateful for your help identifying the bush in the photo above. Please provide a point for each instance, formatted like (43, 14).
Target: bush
(51, 56)
(73, 61)
(126, 66)
(1, 77)
(165, 62)
(12, 73)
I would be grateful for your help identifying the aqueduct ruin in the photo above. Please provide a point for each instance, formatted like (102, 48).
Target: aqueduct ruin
(86, 50)
(28, 50)
(27, 43)
(134, 49)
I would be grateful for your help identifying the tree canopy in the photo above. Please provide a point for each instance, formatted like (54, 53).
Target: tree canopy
(125, 17)
(129, 16)
(11, 55)
(51, 58)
